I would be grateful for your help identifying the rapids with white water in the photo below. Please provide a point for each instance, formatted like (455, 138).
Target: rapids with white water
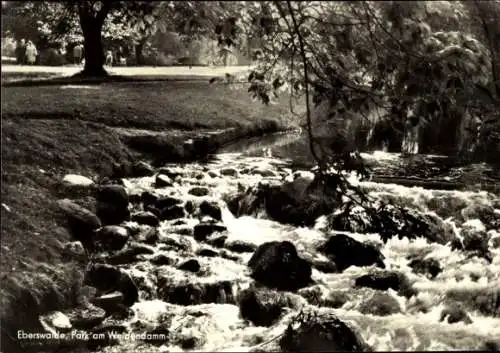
(415, 325)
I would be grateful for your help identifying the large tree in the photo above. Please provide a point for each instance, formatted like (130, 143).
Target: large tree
(415, 70)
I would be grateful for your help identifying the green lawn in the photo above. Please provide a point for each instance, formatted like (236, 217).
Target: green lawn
(48, 131)
(148, 105)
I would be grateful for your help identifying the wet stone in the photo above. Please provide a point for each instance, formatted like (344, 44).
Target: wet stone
(142, 169)
(171, 172)
(111, 238)
(134, 198)
(161, 260)
(81, 221)
(380, 304)
(217, 241)
(166, 201)
(277, 265)
(191, 265)
(383, 280)
(130, 254)
(86, 317)
(172, 212)
(188, 293)
(211, 209)
(324, 266)
(146, 218)
(148, 235)
(153, 210)
(171, 243)
(263, 307)
(229, 172)
(113, 194)
(345, 251)
(323, 297)
(111, 214)
(162, 181)
(207, 252)
(107, 278)
(190, 207)
(109, 302)
(203, 230)
(56, 320)
(199, 191)
(147, 198)
(240, 246)
(264, 172)
(321, 332)
(429, 267)
(453, 314)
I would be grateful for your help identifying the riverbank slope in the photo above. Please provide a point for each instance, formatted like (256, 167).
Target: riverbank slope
(50, 131)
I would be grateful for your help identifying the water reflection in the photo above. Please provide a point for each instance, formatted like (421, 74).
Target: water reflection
(294, 147)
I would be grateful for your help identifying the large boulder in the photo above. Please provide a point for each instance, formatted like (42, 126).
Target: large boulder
(107, 278)
(112, 204)
(111, 214)
(293, 202)
(171, 212)
(383, 280)
(393, 221)
(165, 202)
(77, 181)
(427, 266)
(277, 265)
(321, 331)
(346, 251)
(199, 191)
(204, 229)
(380, 304)
(188, 293)
(474, 236)
(111, 238)
(145, 218)
(163, 181)
(211, 209)
(485, 213)
(129, 254)
(113, 194)
(453, 314)
(86, 317)
(263, 307)
(82, 222)
(142, 169)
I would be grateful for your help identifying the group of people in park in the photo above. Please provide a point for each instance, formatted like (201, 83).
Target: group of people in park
(26, 52)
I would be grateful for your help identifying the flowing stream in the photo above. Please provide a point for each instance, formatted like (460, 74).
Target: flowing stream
(217, 326)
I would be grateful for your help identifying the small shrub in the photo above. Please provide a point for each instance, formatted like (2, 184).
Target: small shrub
(51, 57)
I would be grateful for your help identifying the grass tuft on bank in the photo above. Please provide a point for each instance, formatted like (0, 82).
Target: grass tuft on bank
(50, 131)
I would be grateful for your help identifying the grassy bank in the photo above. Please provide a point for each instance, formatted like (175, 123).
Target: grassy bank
(50, 131)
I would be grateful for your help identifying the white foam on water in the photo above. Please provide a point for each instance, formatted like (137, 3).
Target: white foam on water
(409, 330)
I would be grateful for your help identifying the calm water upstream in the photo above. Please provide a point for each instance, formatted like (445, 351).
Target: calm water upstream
(218, 327)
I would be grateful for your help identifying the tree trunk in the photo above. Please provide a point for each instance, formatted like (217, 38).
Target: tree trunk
(94, 53)
(139, 58)
(92, 40)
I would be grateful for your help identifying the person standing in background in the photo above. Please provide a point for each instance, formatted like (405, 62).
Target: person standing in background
(77, 54)
(31, 53)
(109, 58)
(21, 52)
